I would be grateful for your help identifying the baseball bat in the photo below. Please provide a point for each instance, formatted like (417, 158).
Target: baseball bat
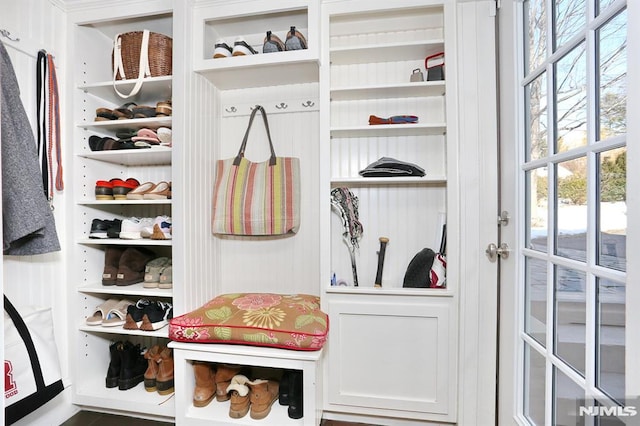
(383, 248)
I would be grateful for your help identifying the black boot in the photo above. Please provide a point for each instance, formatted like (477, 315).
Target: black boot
(296, 398)
(133, 367)
(113, 372)
(283, 397)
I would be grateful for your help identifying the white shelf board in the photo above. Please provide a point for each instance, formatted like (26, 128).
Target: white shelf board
(384, 130)
(389, 91)
(132, 124)
(154, 89)
(129, 290)
(163, 332)
(94, 393)
(388, 52)
(92, 202)
(390, 291)
(261, 70)
(376, 181)
(160, 155)
(119, 242)
(220, 411)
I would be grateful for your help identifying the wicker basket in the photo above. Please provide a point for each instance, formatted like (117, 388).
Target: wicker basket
(160, 54)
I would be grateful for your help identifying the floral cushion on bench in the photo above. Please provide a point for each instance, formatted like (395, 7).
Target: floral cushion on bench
(291, 321)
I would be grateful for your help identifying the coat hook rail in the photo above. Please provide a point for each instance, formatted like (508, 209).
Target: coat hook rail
(236, 109)
(7, 34)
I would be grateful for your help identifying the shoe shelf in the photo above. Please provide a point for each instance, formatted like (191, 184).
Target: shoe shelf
(135, 400)
(387, 52)
(134, 123)
(92, 202)
(129, 290)
(119, 242)
(386, 130)
(375, 181)
(133, 157)
(153, 90)
(162, 333)
(251, 22)
(387, 91)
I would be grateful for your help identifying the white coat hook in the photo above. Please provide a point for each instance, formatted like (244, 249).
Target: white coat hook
(7, 34)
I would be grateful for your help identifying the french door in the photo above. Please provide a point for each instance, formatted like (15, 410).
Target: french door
(565, 329)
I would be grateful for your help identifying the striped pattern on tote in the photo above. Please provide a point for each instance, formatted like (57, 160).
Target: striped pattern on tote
(257, 199)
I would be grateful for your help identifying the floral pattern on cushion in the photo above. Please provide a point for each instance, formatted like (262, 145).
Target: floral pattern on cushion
(291, 321)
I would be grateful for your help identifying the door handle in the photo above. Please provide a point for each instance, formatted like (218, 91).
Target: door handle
(494, 251)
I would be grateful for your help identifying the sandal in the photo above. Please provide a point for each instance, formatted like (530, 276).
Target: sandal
(105, 114)
(272, 43)
(101, 312)
(146, 135)
(163, 109)
(125, 112)
(295, 40)
(138, 193)
(396, 119)
(118, 314)
(159, 192)
(165, 135)
(143, 111)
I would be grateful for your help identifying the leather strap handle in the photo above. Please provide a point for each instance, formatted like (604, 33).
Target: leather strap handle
(243, 146)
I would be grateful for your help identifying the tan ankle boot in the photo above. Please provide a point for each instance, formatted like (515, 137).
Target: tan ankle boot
(164, 379)
(205, 388)
(152, 368)
(224, 374)
(239, 395)
(263, 394)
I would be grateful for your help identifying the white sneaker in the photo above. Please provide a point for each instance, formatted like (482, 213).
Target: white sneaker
(146, 227)
(241, 47)
(132, 227)
(162, 228)
(222, 49)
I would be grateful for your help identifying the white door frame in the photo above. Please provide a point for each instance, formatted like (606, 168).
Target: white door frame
(478, 183)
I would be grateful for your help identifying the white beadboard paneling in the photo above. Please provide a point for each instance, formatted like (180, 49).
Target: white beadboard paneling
(283, 264)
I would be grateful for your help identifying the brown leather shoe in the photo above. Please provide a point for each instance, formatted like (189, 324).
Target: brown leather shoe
(224, 374)
(164, 379)
(152, 368)
(239, 395)
(205, 388)
(263, 394)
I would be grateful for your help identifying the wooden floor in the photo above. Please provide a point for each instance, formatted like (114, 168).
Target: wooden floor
(90, 418)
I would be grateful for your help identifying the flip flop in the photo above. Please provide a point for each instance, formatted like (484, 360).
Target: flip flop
(125, 112)
(101, 312)
(147, 135)
(165, 135)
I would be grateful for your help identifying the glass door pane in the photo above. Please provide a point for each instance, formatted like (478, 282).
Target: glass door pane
(574, 179)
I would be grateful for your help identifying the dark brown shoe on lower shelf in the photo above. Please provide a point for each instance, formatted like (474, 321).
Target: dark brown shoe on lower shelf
(112, 257)
(132, 264)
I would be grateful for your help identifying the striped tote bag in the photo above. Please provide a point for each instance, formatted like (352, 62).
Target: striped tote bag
(256, 198)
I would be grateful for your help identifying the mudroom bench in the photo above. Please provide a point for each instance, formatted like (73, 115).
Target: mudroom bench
(250, 356)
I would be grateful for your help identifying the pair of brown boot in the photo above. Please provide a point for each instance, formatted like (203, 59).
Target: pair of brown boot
(159, 374)
(224, 382)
